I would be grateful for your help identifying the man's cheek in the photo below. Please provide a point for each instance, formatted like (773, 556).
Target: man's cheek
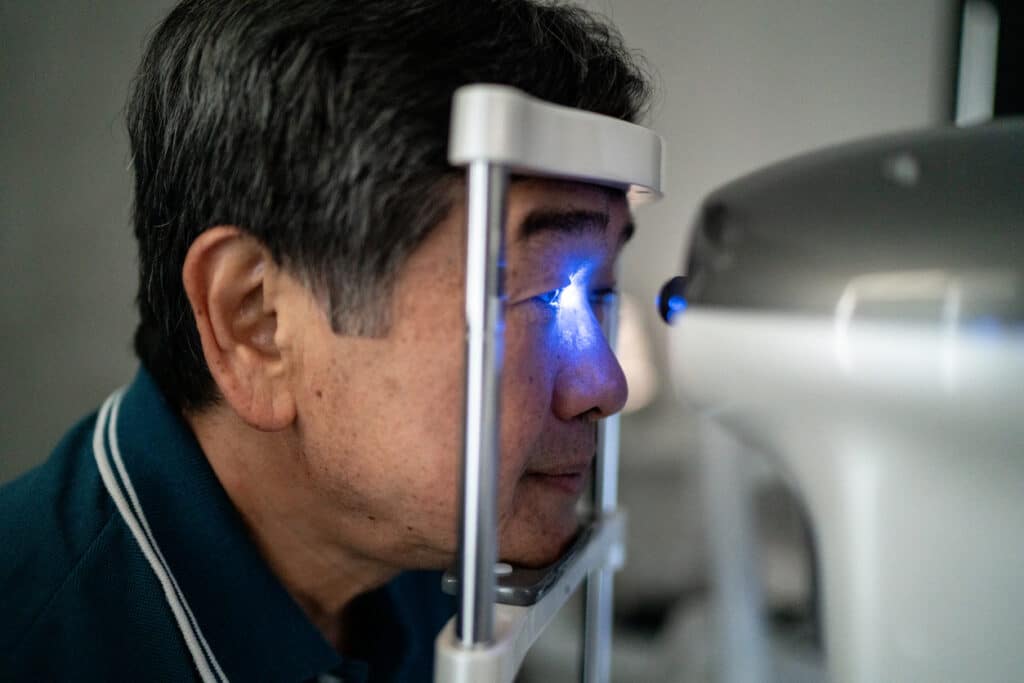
(527, 386)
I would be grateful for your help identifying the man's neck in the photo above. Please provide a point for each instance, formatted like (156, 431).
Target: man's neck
(259, 473)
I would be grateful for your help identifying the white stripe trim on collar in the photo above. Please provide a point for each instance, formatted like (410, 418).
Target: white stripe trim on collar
(206, 664)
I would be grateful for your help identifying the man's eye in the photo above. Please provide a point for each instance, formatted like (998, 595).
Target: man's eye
(597, 299)
(552, 298)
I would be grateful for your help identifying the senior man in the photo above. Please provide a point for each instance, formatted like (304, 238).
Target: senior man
(272, 496)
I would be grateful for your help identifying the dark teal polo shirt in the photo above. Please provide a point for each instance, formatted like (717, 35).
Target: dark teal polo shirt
(166, 585)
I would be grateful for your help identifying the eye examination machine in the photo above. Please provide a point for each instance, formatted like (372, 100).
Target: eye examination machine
(855, 318)
(497, 131)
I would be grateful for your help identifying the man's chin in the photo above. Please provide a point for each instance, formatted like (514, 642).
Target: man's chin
(541, 550)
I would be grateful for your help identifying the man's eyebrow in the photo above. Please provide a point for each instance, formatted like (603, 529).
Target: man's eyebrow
(572, 222)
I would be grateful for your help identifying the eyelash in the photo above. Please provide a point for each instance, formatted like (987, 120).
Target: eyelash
(598, 297)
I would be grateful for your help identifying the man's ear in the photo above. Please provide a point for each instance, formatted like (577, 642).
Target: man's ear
(227, 276)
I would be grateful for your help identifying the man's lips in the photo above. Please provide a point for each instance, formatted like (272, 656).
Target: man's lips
(569, 478)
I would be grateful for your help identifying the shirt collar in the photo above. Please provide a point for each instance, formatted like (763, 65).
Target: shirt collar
(252, 624)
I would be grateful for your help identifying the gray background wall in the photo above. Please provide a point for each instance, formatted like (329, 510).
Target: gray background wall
(66, 253)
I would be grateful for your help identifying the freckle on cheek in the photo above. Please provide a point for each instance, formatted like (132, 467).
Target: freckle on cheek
(319, 394)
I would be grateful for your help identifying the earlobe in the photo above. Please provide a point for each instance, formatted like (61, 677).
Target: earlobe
(228, 277)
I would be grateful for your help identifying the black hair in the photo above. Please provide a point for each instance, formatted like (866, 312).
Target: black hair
(320, 127)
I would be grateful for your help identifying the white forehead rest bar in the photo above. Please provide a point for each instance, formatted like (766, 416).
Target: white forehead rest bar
(504, 126)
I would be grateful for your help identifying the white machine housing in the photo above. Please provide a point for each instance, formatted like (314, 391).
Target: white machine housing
(856, 316)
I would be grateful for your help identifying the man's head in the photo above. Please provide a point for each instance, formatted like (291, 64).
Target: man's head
(290, 164)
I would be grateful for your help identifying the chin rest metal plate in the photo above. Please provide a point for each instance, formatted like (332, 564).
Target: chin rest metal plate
(525, 586)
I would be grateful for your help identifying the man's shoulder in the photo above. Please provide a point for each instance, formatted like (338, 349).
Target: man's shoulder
(49, 517)
(70, 575)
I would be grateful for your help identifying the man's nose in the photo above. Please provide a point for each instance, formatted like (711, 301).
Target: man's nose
(590, 383)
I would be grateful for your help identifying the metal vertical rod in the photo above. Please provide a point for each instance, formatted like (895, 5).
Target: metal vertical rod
(485, 264)
(606, 468)
(597, 634)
